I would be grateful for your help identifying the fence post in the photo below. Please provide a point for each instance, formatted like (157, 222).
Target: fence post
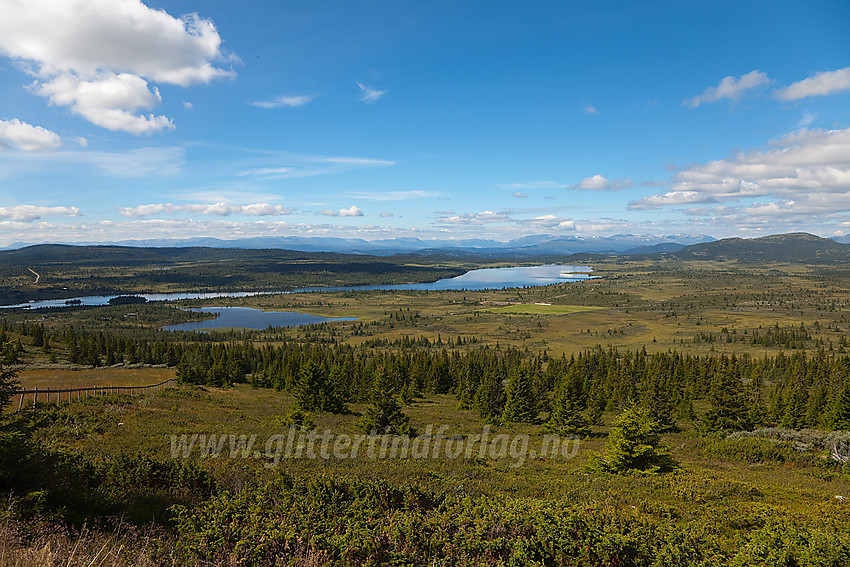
(22, 402)
(35, 397)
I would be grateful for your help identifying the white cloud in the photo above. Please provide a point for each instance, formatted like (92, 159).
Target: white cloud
(803, 169)
(394, 195)
(23, 136)
(97, 56)
(218, 209)
(386, 215)
(520, 195)
(140, 229)
(590, 109)
(600, 183)
(268, 171)
(824, 83)
(551, 222)
(29, 213)
(475, 218)
(296, 165)
(730, 87)
(188, 105)
(805, 120)
(369, 94)
(284, 101)
(109, 101)
(352, 211)
(138, 162)
(670, 198)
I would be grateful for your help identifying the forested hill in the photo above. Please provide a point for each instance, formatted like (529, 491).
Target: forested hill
(53, 254)
(794, 247)
(797, 247)
(55, 271)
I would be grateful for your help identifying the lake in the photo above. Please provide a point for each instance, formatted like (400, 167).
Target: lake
(485, 278)
(249, 318)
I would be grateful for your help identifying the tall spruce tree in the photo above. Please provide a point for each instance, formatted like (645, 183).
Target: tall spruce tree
(315, 391)
(520, 399)
(566, 417)
(658, 399)
(728, 411)
(8, 384)
(14, 431)
(385, 414)
(757, 413)
(795, 408)
(490, 395)
(841, 408)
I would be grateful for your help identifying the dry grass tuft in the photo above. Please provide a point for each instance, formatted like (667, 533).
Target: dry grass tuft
(49, 546)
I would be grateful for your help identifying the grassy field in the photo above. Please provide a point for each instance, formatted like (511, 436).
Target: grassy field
(145, 425)
(81, 378)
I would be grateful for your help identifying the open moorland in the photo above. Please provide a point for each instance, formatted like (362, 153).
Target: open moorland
(733, 370)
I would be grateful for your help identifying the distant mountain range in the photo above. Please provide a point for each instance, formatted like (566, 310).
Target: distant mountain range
(536, 245)
(795, 247)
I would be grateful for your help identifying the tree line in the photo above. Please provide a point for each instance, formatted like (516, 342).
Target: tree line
(803, 389)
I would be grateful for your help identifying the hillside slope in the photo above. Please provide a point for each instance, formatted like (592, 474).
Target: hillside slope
(799, 247)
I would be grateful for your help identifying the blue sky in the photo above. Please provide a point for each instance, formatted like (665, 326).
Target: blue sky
(437, 120)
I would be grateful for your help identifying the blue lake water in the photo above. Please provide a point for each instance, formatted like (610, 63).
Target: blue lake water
(249, 318)
(486, 278)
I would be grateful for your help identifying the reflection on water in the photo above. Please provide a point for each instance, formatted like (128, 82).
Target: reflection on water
(249, 318)
(512, 277)
(487, 278)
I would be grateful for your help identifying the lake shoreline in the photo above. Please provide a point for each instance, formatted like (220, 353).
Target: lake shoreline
(478, 279)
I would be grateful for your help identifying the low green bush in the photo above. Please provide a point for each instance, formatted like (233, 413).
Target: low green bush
(372, 523)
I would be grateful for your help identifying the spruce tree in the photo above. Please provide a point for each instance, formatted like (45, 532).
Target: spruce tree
(795, 408)
(815, 408)
(634, 446)
(315, 391)
(310, 388)
(339, 382)
(728, 411)
(15, 430)
(520, 401)
(385, 414)
(8, 384)
(841, 409)
(657, 398)
(490, 395)
(567, 417)
(757, 413)
(596, 406)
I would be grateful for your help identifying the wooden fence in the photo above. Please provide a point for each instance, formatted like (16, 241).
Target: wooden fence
(83, 393)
